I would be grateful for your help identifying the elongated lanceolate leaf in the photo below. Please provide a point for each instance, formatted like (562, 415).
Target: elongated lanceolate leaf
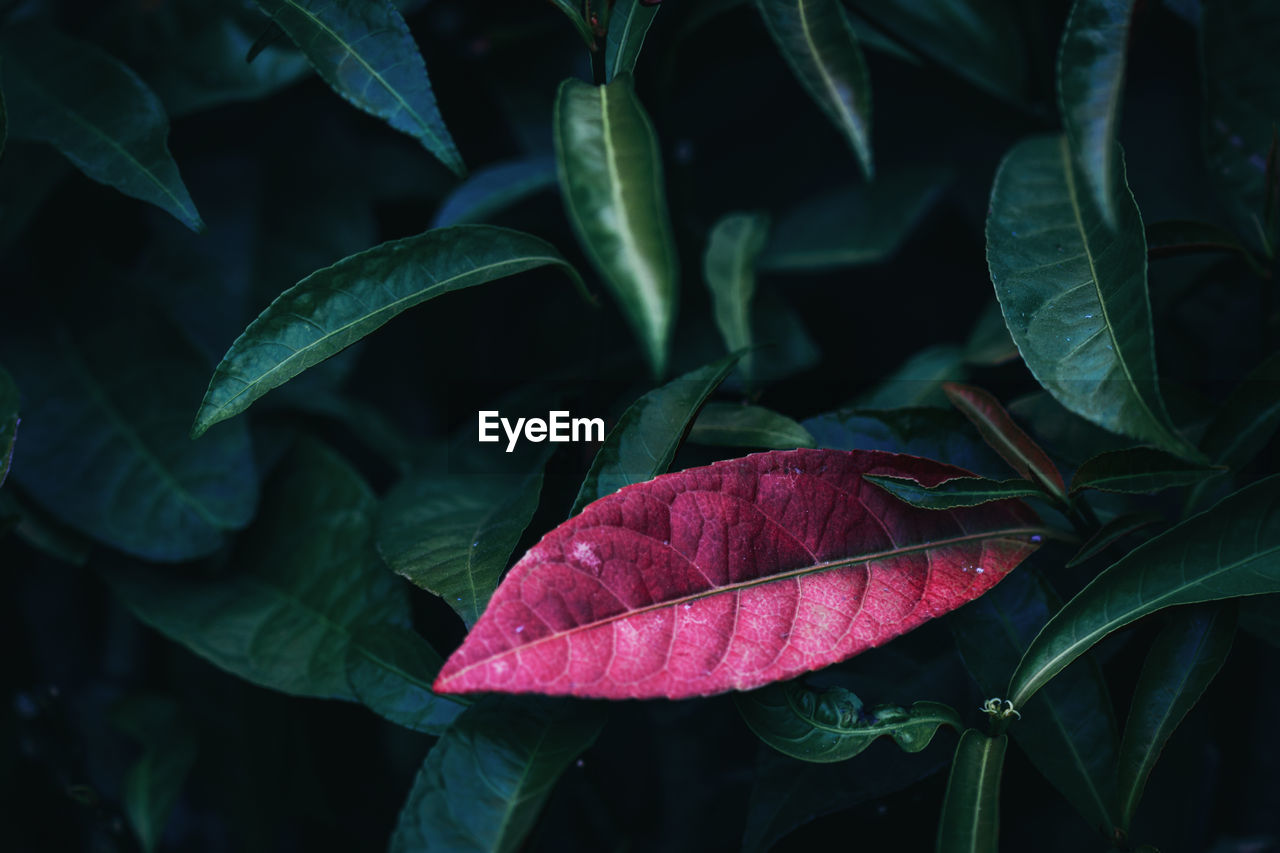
(1112, 532)
(495, 188)
(364, 51)
(832, 725)
(646, 437)
(483, 784)
(970, 820)
(1184, 658)
(956, 492)
(1139, 470)
(1074, 292)
(1008, 439)
(8, 422)
(629, 23)
(390, 669)
(729, 265)
(306, 581)
(115, 130)
(334, 307)
(610, 170)
(452, 534)
(1228, 551)
(1090, 83)
(818, 42)
(732, 576)
(733, 425)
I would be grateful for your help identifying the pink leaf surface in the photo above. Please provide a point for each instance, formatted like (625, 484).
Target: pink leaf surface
(732, 576)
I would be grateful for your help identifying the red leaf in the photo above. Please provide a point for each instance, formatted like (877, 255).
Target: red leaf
(732, 576)
(1005, 437)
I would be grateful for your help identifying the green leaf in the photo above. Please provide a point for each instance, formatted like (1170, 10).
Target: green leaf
(1074, 293)
(1171, 238)
(989, 343)
(452, 534)
(829, 725)
(1071, 438)
(485, 781)
(1008, 439)
(940, 434)
(1184, 658)
(1111, 532)
(363, 49)
(862, 224)
(818, 42)
(645, 439)
(103, 448)
(153, 783)
(1090, 84)
(495, 188)
(610, 170)
(114, 131)
(1138, 470)
(1228, 551)
(1068, 732)
(9, 420)
(307, 581)
(970, 821)
(390, 670)
(629, 23)
(918, 381)
(734, 425)
(336, 306)
(729, 267)
(958, 491)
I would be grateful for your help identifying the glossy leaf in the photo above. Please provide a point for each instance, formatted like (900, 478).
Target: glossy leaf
(363, 49)
(1228, 551)
(1111, 533)
(645, 439)
(1182, 662)
(729, 267)
(1138, 470)
(1091, 73)
(307, 580)
(734, 425)
(1069, 731)
(818, 42)
(732, 576)
(918, 381)
(1074, 292)
(629, 23)
(390, 669)
(495, 188)
(610, 170)
(1008, 439)
(970, 821)
(452, 534)
(485, 781)
(989, 343)
(940, 434)
(828, 725)
(154, 782)
(336, 306)
(863, 224)
(9, 420)
(956, 492)
(115, 131)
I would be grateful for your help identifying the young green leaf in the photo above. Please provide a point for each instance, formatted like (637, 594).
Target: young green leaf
(9, 410)
(958, 491)
(114, 131)
(495, 188)
(1139, 470)
(1225, 552)
(828, 725)
(390, 669)
(729, 266)
(483, 784)
(629, 23)
(646, 437)
(363, 49)
(970, 821)
(452, 534)
(1111, 532)
(1184, 658)
(154, 782)
(1074, 292)
(1090, 82)
(307, 581)
(734, 425)
(998, 429)
(334, 307)
(918, 381)
(818, 42)
(610, 170)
